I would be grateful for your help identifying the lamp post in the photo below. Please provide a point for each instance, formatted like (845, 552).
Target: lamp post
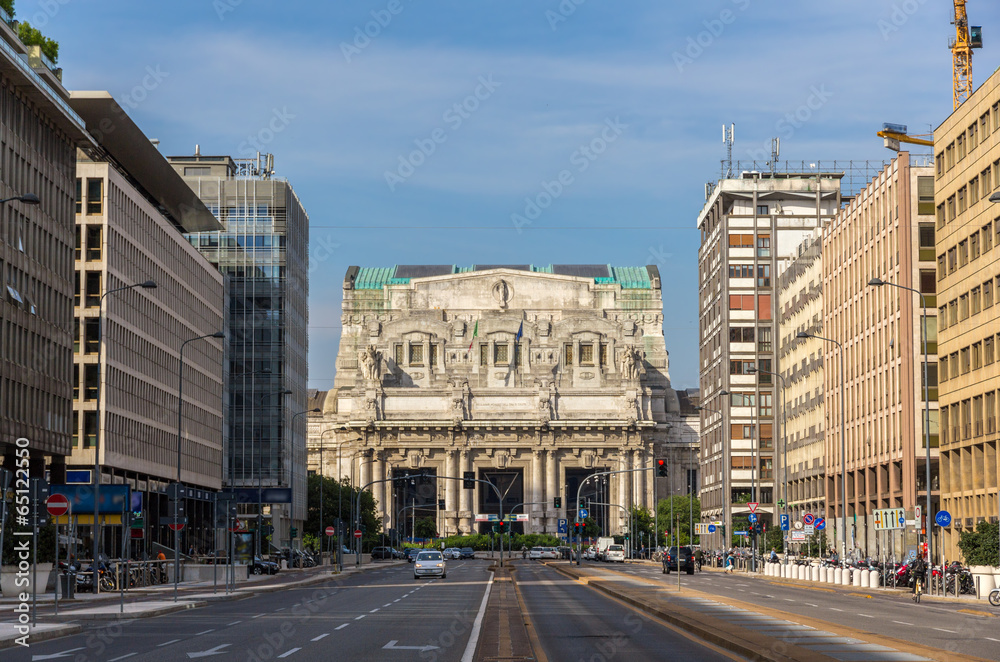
(148, 285)
(843, 438)
(291, 477)
(260, 484)
(27, 198)
(726, 496)
(177, 494)
(322, 479)
(878, 282)
(784, 446)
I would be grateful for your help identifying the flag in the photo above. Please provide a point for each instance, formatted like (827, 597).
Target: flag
(475, 332)
(517, 342)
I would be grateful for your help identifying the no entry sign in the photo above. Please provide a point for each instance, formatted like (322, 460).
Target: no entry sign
(57, 505)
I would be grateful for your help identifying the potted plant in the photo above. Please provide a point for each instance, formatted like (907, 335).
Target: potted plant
(981, 549)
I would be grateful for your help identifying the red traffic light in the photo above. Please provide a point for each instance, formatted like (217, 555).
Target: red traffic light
(661, 468)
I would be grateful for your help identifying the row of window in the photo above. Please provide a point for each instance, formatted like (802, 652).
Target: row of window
(971, 303)
(746, 271)
(747, 241)
(743, 366)
(976, 244)
(970, 418)
(968, 140)
(746, 302)
(969, 358)
(95, 196)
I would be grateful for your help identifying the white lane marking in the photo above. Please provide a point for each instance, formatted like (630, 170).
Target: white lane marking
(205, 632)
(373, 610)
(396, 600)
(325, 634)
(257, 616)
(388, 604)
(866, 615)
(281, 609)
(835, 609)
(470, 648)
(943, 630)
(167, 643)
(902, 622)
(287, 653)
(811, 604)
(341, 627)
(360, 617)
(233, 623)
(789, 600)
(992, 639)
(122, 657)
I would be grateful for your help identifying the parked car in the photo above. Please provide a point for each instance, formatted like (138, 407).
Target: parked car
(468, 553)
(430, 564)
(678, 558)
(615, 554)
(535, 553)
(385, 553)
(261, 567)
(411, 553)
(550, 553)
(453, 553)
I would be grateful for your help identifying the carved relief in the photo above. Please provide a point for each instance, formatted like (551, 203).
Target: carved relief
(501, 459)
(371, 363)
(630, 364)
(503, 292)
(415, 459)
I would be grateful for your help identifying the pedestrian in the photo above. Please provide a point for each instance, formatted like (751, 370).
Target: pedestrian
(729, 563)
(699, 558)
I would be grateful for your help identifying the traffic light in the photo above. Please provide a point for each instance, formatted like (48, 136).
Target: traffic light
(661, 468)
(295, 533)
(468, 480)
(501, 527)
(557, 502)
(441, 504)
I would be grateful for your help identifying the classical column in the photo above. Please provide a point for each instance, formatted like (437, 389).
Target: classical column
(378, 490)
(464, 521)
(639, 477)
(625, 487)
(551, 489)
(537, 467)
(366, 468)
(451, 488)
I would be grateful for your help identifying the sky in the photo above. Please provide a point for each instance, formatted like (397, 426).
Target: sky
(513, 131)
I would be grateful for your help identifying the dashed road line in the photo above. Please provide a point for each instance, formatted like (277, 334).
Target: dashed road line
(167, 643)
(866, 616)
(257, 616)
(373, 610)
(358, 618)
(325, 634)
(122, 657)
(809, 604)
(902, 623)
(943, 630)
(204, 632)
(341, 627)
(287, 653)
(233, 623)
(835, 609)
(992, 639)
(388, 604)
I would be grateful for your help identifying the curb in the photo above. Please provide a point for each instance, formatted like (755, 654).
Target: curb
(45, 635)
(146, 613)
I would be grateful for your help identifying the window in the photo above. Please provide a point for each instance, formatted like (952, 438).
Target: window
(93, 289)
(952, 259)
(94, 242)
(973, 136)
(500, 354)
(764, 245)
(953, 312)
(744, 399)
(766, 403)
(764, 306)
(764, 342)
(988, 351)
(197, 171)
(604, 354)
(960, 146)
(78, 252)
(90, 381)
(928, 282)
(940, 215)
(943, 317)
(398, 354)
(988, 294)
(950, 209)
(89, 429)
(568, 354)
(91, 333)
(964, 360)
(741, 241)
(974, 245)
(416, 354)
(931, 323)
(741, 302)
(762, 210)
(765, 366)
(741, 334)
(926, 235)
(432, 355)
(977, 355)
(963, 307)
(741, 271)
(741, 462)
(763, 275)
(742, 431)
(79, 195)
(586, 354)
(740, 367)
(962, 199)
(925, 196)
(963, 252)
(943, 369)
(974, 296)
(941, 270)
(939, 163)
(484, 354)
(986, 235)
(95, 195)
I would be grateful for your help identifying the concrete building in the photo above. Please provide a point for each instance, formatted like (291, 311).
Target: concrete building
(530, 377)
(967, 170)
(886, 231)
(131, 211)
(750, 226)
(800, 364)
(263, 251)
(39, 134)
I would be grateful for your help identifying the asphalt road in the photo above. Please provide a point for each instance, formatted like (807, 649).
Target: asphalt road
(936, 624)
(575, 623)
(381, 614)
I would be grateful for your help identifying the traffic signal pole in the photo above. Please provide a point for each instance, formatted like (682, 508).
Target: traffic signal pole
(579, 548)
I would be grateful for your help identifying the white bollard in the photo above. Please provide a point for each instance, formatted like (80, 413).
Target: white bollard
(856, 577)
(800, 572)
(815, 573)
(838, 576)
(845, 578)
(822, 575)
(875, 581)
(865, 578)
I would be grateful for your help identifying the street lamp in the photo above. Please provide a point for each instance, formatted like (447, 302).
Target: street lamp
(291, 476)
(177, 493)
(260, 484)
(27, 198)
(322, 479)
(878, 282)
(726, 496)
(843, 438)
(32, 199)
(784, 445)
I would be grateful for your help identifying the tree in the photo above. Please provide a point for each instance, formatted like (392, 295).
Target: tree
(425, 528)
(338, 498)
(979, 547)
(683, 505)
(8, 6)
(30, 36)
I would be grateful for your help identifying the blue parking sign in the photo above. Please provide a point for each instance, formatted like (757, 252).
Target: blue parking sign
(562, 526)
(784, 522)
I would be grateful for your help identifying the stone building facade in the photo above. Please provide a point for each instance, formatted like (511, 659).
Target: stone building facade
(531, 378)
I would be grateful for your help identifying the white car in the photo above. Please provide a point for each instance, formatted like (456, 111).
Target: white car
(615, 554)
(535, 553)
(430, 564)
(453, 553)
(550, 553)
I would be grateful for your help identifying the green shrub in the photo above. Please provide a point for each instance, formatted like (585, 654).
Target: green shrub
(30, 36)
(982, 546)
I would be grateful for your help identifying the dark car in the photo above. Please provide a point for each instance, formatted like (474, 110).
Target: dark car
(678, 559)
(468, 553)
(411, 553)
(262, 567)
(384, 553)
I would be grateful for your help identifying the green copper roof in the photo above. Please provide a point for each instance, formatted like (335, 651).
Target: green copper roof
(375, 278)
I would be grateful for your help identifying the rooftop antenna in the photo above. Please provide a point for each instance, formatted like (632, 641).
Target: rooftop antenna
(775, 151)
(727, 138)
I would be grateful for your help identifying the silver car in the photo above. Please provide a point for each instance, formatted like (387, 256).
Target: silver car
(430, 564)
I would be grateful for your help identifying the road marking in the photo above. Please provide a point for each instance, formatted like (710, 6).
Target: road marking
(281, 609)
(257, 616)
(287, 653)
(373, 610)
(990, 638)
(205, 632)
(56, 655)
(470, 648)
(902, 622)
(233, 623)
(358, 618)
(866, 615)
(789, 600)
(396, 600)
(835, 609)
(388, 604)
(341, 627)
(326, 634)
(122, 657)
(943, 630)
(167, 643)
(811, 604)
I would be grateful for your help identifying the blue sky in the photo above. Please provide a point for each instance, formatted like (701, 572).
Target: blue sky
(534, 80)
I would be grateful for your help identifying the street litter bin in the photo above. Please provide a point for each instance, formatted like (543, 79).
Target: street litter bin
(67, 585)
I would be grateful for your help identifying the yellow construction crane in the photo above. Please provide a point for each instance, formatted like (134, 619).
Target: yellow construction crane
(966, 39)
(893, 134)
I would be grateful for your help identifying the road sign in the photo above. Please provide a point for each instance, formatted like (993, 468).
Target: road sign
(781, 503)
(916, 514)
(820, 523)
(752, 517)
(798, 526)
(784, 522)
(357, 533)
(753, 506)
(176, 527)
(330, 531)
(57, 505)
(562, 525)
(889, 518)
(808, 519)
(741, 533)
(584, 513)
(712, 528)
(943, 518)
(797, 536)
(809, 529)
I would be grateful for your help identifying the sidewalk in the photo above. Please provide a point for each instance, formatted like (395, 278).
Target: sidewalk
(747, 629)
(153, 601)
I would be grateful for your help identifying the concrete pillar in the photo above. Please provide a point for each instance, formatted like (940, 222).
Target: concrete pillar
(451, 489)
(366, 469)
(638, 461)
(875, 580)
(551, 489)
(464, 496)
(537, 493)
